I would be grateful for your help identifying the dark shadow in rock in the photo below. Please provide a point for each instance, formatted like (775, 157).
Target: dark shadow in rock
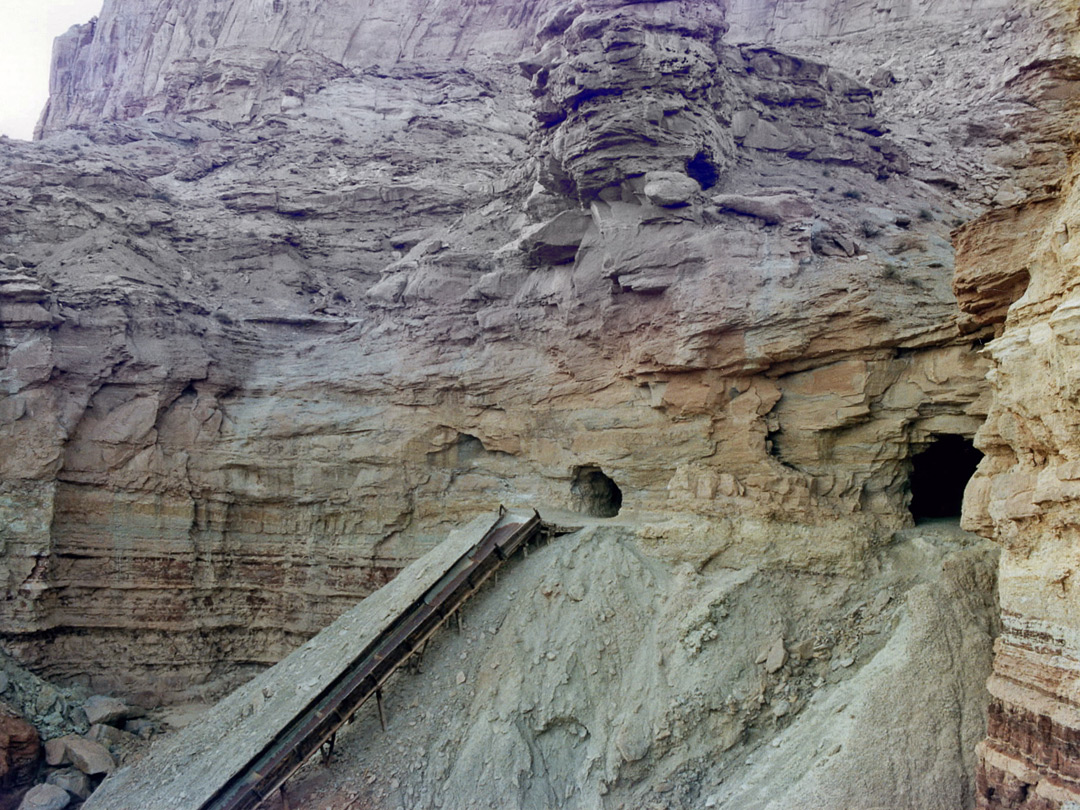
(594, 494)
(939, 475)
(702, 169)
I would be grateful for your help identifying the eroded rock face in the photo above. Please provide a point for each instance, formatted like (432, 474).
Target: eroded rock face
(321, 291)
(1023, 260)
(257, 56)
(627, 91)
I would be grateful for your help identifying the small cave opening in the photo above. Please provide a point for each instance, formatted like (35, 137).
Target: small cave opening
(939, 475)
(701, 168)
(595, 494)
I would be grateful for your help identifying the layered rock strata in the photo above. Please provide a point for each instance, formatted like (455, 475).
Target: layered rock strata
(1018, 269)
(198, 762)
(281, 303)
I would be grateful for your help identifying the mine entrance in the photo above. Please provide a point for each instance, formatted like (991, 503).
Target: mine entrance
(594, 493)
(939, 475)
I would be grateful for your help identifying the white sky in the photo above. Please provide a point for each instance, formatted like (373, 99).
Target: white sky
(27, 31)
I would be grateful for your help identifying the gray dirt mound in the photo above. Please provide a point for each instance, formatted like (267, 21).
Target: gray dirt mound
(595, 676)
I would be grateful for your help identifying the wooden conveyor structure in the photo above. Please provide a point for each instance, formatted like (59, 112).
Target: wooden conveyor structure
(335, 704)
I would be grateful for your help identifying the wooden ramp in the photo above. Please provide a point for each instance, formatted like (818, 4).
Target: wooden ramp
(251, 742)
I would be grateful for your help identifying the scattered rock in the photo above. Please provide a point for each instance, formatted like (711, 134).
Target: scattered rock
(73, 781)
(45, 797)
(103, 709)
(89, 756)
(56, 752)
(53, 710)
(776, 657)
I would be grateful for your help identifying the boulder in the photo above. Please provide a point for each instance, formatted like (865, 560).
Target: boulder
(670, 189)
(557, 240)
(90, 756)
(56, 751)
(74, 782)
(103, 709)
(45, 797)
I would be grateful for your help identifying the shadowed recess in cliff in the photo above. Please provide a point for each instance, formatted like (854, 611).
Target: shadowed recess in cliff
(939, 475)
(702, 168)
(594, 493)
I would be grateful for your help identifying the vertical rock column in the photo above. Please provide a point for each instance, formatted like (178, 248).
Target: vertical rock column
(1027, 494)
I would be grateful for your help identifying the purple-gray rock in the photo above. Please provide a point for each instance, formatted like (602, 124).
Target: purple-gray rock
(90, 756)
(45, 797)
(73, 781)
(104, 709)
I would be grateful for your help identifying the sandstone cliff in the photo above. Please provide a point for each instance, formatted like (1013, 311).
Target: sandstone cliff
(290, 287)
(1018, 266)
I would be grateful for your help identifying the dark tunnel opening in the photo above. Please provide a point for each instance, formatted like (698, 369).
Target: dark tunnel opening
(939, 475)
(593, 493)
(701, 168)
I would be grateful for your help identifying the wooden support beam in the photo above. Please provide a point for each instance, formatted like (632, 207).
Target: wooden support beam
(382, 712)
(326, 750)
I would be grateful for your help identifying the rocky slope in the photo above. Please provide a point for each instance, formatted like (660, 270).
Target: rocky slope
(597, 675)
(291, 287)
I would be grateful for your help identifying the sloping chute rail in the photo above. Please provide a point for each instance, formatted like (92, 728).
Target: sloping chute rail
(338, 701)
